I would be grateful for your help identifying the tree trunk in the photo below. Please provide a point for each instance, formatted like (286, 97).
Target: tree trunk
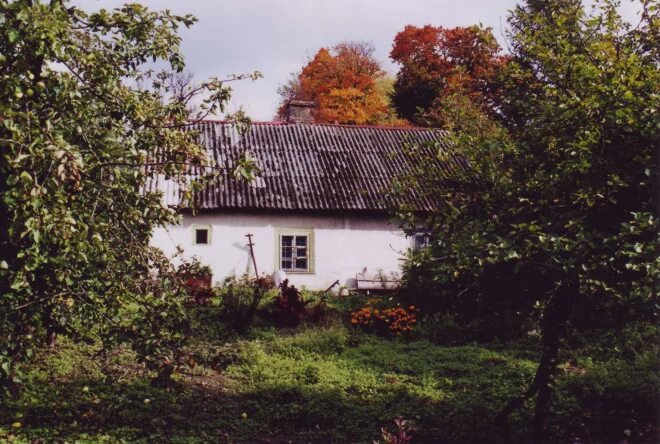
(555, 320)
(546, 374)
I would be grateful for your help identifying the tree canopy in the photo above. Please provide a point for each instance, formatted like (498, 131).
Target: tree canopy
(557, 208)
(436, 62)
(347, 84)
(81, 115)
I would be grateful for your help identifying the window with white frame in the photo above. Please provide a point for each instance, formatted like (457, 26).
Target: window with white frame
(296, 251)
(201, 235)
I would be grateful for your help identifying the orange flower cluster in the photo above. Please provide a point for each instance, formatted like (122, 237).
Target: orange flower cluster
(389, 321)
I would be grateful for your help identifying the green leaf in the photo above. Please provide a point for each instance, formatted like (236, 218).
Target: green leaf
(25, 177)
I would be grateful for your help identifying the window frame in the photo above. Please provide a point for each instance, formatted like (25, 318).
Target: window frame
(309, 233)
(413, 240)
(209, 232)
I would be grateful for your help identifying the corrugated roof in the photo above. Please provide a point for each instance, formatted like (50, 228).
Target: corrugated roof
(312, 166)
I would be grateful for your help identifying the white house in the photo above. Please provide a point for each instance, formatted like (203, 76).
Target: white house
(319, 208)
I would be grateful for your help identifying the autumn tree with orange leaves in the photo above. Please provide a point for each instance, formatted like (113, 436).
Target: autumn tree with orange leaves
(437, 63)
(347, 84)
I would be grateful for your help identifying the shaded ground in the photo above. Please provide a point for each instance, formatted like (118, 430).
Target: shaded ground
(312, 385)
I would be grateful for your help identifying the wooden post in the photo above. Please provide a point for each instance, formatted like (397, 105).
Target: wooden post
(254, 261)
(333, 284)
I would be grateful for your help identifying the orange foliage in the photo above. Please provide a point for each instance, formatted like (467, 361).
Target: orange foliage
(437, 62)
(390, 321)
(344, 83)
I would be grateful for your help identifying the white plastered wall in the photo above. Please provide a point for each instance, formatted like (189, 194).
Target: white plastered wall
(343, 245)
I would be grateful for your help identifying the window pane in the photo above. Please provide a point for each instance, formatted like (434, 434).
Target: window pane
(295, 252)
(421, 240)
(202, 236)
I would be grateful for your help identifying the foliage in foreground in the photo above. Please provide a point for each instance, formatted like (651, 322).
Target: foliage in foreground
(81, 117)
(551, 211)
(330, 385)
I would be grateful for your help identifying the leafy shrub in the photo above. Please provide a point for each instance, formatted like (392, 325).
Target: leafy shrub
(158, 328)
(319, 311)
(234, 297)
(197, 278)
(309, 375)
(478, 307)
(393, 321)
(440, 329)
(290, 305)
(240, 298)
(348, 304)
(501, 302)
(626, 343)
(615, 400)
(160, 332)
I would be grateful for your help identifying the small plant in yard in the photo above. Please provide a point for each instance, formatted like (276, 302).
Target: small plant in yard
(318, 310)
(198, 279)
(291, 307)
(402, 435)
(240, 298)
(318, 313)
(393, 321)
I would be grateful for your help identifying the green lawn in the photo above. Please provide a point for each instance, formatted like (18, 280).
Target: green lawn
(331, 384)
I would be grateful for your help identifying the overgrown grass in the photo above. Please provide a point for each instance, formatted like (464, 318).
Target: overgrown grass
(331, 385)
(323, 384)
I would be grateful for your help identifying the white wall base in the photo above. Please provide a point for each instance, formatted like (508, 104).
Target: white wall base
(343, 245)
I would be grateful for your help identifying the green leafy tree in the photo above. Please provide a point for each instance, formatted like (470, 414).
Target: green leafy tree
(81, 116)
(561, 190)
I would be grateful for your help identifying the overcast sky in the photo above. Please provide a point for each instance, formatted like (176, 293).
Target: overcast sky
(277, 36)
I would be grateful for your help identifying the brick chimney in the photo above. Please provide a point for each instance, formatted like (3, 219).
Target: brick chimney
(299, 111)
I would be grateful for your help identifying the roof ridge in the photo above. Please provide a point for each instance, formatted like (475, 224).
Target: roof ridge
(341, 125)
